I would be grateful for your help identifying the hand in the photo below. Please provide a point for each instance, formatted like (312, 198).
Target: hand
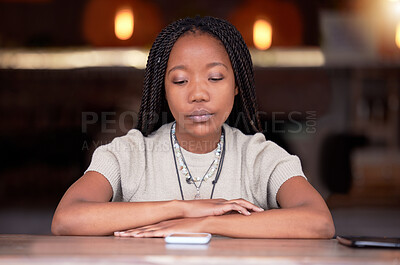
(164, 228)
(213, 207)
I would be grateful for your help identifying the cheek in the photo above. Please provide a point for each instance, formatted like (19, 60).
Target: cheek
(226, 100)
(174, 100)
(169, 98)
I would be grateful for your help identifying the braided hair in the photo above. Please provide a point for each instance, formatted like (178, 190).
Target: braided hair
(154, 110)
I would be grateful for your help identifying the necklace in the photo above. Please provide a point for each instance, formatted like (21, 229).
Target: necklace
(215, 166)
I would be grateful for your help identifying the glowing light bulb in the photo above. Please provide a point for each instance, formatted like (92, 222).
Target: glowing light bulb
(124, 23)
(262, 34)
(398, 35)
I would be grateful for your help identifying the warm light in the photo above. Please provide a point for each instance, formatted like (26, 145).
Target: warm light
(398, 35)
(71, 59)
(134, 57)
(262, 34)
(124, 23)
(278, 57)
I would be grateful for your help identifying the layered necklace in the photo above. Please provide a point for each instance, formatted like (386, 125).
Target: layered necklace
(213, 169)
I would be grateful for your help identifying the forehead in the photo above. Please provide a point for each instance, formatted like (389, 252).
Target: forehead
(198, 44)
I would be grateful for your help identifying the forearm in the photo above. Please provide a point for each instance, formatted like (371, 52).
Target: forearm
(103, 218)
(299, 222)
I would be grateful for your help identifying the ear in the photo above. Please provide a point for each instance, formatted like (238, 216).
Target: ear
(236, 90)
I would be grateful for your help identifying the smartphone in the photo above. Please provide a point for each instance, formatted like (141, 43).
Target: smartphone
(363, 241)
(188, 238)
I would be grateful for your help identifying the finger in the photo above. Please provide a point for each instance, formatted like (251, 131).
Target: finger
(239, 208)
(242, 210)
(131, 232)
(232, 206)
(248, 205)
(151, 233)
(146, 227)
(126, 233)
(120, 233)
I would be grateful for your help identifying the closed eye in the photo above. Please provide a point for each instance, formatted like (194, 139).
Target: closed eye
(215, 79)
(181, 82)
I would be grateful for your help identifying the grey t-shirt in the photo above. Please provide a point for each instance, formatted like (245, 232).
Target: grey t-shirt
(142, 168)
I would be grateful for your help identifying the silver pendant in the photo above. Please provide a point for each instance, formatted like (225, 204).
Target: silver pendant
(197, 196)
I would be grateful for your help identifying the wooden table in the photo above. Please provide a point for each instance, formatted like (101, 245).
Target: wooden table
(32, 249)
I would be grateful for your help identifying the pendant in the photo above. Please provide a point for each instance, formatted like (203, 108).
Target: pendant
(197, 196)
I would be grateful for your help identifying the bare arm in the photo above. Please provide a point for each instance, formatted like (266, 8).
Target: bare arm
(85, 209)
(304, 214)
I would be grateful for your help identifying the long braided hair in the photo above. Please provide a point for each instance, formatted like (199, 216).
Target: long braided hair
(154, 110)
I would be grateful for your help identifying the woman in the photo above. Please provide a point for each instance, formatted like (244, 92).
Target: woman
(184, 169)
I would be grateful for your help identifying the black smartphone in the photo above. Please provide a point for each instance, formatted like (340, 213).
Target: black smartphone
(366, 241)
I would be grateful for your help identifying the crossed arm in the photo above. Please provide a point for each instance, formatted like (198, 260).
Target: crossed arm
(85, 210)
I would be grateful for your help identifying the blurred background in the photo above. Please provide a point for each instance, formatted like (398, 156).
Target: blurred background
(327, 78)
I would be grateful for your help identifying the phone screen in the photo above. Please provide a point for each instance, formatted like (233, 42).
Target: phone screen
(188, 238)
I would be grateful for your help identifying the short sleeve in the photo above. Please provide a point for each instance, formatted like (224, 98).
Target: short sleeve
(105, 162)
(122, 163)
(268, 166)
(287, 167)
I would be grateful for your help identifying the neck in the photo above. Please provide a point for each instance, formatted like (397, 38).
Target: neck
(197, 145)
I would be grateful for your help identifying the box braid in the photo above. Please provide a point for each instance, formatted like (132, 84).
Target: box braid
(154, 110)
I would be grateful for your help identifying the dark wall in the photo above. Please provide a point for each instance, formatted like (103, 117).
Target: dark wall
(59, 22)
(51, 121)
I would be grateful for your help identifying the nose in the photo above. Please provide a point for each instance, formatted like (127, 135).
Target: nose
(198, 92)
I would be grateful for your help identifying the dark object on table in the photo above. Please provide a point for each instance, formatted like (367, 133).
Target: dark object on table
(365, 241)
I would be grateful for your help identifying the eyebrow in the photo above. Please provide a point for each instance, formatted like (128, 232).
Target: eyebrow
(216, 64)
(183, 67)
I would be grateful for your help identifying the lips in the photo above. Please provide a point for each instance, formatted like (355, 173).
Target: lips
(200, 115)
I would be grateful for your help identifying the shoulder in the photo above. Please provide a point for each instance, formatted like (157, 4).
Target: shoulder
(122, 144)
(253, 145)
(135, 141)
